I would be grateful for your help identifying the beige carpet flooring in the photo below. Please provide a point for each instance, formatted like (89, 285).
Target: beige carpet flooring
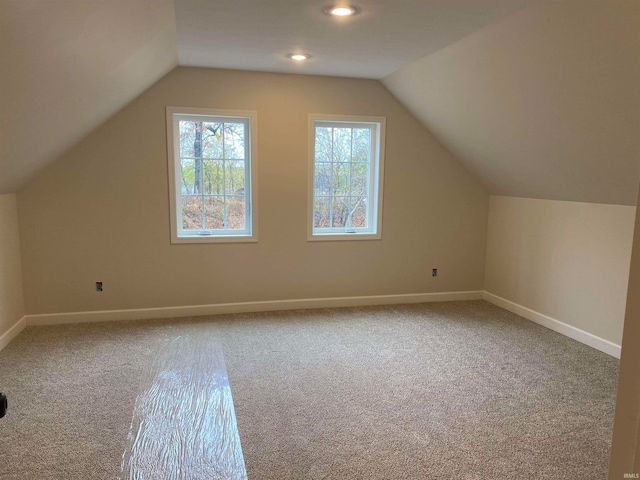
(458, 390)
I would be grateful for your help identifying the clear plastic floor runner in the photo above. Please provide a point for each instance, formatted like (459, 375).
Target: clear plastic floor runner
(184, 425)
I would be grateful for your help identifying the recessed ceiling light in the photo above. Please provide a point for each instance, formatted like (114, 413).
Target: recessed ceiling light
(342, 10)
(298, 56)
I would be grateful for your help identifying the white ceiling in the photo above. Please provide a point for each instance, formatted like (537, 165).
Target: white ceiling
(384, 36)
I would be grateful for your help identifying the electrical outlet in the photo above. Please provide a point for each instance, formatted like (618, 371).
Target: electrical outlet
(434, 272)
(98, 286)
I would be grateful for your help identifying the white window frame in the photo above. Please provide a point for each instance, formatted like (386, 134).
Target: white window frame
(376, 185)
(250, 234)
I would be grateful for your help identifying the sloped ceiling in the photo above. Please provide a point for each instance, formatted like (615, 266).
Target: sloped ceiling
(542, 104)
(67, 65)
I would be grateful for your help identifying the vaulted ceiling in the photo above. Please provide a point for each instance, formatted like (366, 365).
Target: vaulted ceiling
(538, 98)
(384, 36)
(68, 65)
(542, 104)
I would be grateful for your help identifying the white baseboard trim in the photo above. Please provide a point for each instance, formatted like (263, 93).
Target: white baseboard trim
(570, 331)
(266, 306)
(575, 333)
(12, 332)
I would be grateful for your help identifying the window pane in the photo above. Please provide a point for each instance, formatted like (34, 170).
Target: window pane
(211, 140)
(324, 139)
(359, 215)
(234, 140)
(322, 178)
(339, 212)
(321, 213)
(341, 144)
(188, 175)
(234, 177)
(359, 179)
(191, 213)
(213, 174)
(235, 213)
(343, 172)
(214, 212)
(340, 179)
(187, 138)
(361, 144)
(211, 163)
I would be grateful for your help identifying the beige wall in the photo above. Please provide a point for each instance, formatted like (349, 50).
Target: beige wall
(11, 297)
(566, 260)
(625, 450)
(101, 211)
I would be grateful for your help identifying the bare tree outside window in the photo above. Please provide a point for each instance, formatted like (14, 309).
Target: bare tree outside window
(212, 160)
(213, 175)
(342, 176)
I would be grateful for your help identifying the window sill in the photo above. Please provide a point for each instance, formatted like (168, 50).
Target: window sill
(333, 237)
(215, 239)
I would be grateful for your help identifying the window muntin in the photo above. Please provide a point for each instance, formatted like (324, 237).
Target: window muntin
(346, 177)
(212, 167)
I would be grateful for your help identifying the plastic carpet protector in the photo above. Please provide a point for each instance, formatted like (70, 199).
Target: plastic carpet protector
(184, 425)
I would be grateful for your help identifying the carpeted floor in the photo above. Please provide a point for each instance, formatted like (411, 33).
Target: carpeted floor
(457, 390)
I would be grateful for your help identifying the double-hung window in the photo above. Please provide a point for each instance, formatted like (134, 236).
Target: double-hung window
(345, 177)
(212, 166)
